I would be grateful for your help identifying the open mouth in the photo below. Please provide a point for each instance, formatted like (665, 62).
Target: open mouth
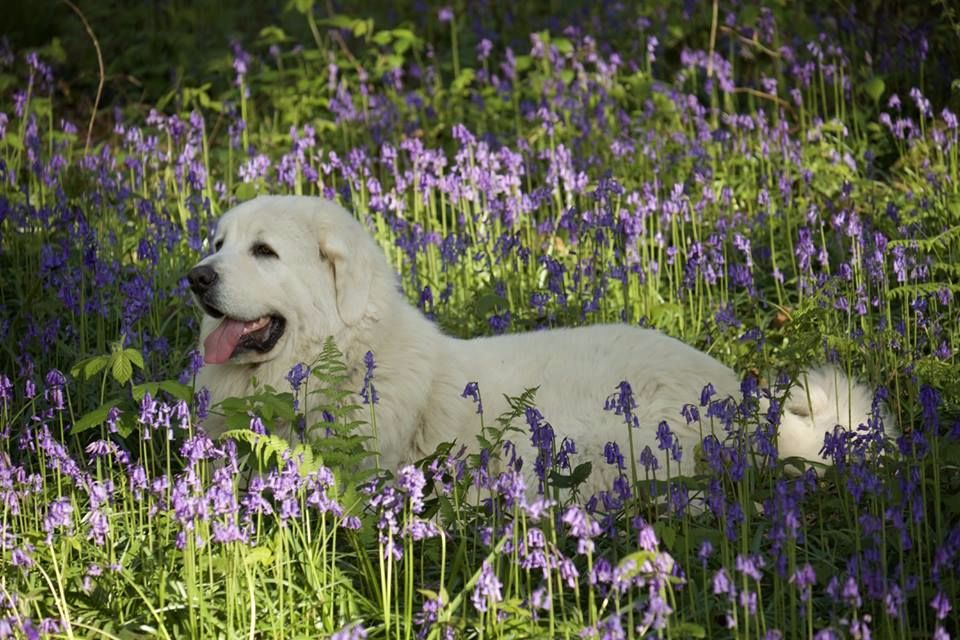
(233, 337)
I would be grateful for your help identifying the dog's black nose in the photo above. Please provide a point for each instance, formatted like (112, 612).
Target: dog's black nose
(201, 278)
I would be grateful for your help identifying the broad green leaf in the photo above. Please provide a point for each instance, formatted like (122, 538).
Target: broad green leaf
(362, 27)
(666, 534)
(184, 215)
(637, 558)
(174, 388)
(563, 45)
(8, 80)
(339, 22)
(13, 139)
(303, 6)
(86, 369)
(875, 87)
(122, 368)
(274, 35)
(487, 303)
(382, 37)
(687, 629)
(261, 555)
(463, 80)
(92, 419)
(134, 357)
(177, 390)
(245, 191)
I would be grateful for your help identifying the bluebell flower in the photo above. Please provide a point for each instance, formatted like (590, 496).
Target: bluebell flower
(705, 552)
(941, 605)
(257, 426)
(411, 481)
(59, 515)
(297, 375)
(472, 390)
(664, 436)
(722, 585)
(350, 631)
(582, 527)
(930, 400)
(500, 322)
(202, 400)
(623, 403)
(611, 452)
(369, 391)
(646, 537)
(707, 393)
(488, 588)
(750, 566)
(648, 460)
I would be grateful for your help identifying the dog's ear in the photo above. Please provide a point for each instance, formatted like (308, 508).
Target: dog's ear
(352, 271)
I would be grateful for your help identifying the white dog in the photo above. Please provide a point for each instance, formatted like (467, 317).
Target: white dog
(289, 271)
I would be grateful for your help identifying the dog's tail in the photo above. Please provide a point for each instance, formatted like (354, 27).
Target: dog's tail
(820, 400)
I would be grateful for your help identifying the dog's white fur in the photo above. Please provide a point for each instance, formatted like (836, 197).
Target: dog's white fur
(331, 279)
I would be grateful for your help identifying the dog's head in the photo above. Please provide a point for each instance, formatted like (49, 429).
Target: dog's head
(286, 272)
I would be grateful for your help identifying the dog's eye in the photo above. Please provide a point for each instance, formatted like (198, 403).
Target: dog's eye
(261, 250)
(218, 244)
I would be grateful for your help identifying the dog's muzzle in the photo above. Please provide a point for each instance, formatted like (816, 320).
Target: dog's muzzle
(233, 336)
(201, 278)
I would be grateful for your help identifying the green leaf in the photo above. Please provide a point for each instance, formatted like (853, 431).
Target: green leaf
(362, 27)
(276, 406)
(875, 87)
(55, 51)
(666, 534)
(633, 561)
(563, 45)
(122, 368)
(264, 447)
(582, 472)
(405, 39)
(177, 390)
(13, 139)
(8, 80)
(91, 419)
(126, 424)
(134, 357)
(303, 6)
(339, 22)
(245, 191)
(575, 479)
(463, 80)
(309, 462)
(237, 421)
(174, 388)
(207, 103)
(487, 303)
(688, 629)
(261, 555)
(392, 61)
(86, 369)
(382, 37)
(184, 215)
(274, 35)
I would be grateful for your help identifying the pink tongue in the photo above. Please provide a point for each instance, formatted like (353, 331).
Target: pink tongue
(220, 345)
